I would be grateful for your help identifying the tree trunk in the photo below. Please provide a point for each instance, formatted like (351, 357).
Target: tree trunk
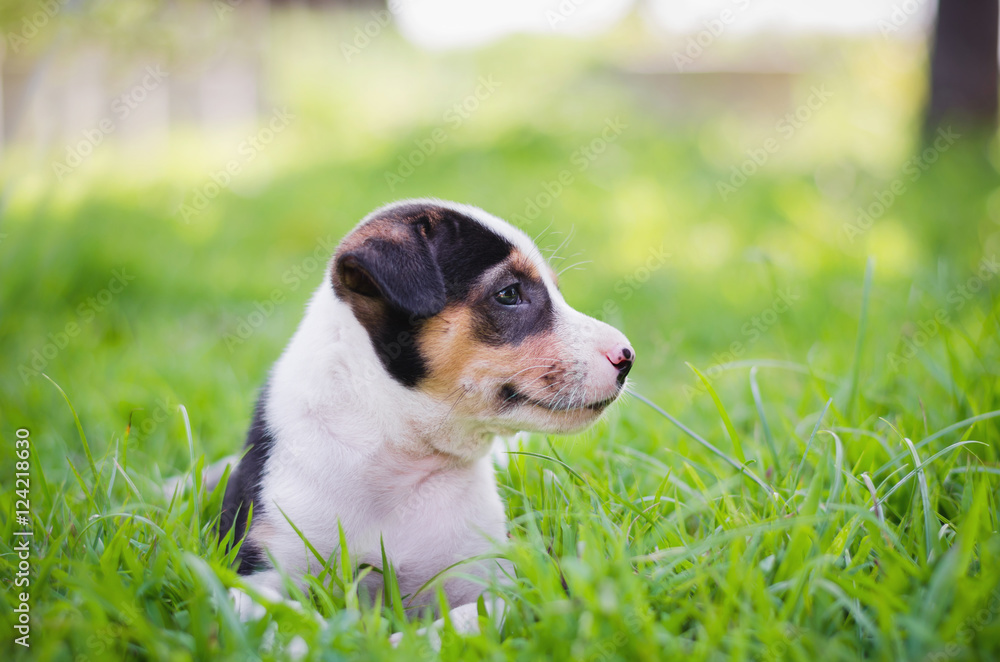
(964, 64)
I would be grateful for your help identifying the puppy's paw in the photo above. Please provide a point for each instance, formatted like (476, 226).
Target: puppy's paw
(297, 648)
(247, 609)
(432, 634)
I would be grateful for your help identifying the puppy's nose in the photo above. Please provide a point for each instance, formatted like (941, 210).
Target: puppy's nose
(622, 359)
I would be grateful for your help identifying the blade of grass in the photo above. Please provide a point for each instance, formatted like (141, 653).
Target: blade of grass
(859, 343)
(302, 537)
(599, 490)
(926, 499)
(346, 572)
(850, 605)
(972, 420)
(83, 486)
(128, 481)
(838, 478)
(923, 464)
(798, 472)
(200, 569)
(737, 447)
(79, 427)
(113, 475)
(878, 507)
(390, 585)
(689, 432)
(755, 391)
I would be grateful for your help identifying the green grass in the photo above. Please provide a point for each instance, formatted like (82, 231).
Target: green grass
(805, 490)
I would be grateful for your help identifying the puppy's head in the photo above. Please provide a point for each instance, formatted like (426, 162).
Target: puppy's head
(461, 306)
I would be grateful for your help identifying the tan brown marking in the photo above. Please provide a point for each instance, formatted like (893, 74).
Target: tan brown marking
(455, 360)
(523, 265)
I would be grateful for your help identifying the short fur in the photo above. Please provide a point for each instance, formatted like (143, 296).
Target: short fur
(379, 416)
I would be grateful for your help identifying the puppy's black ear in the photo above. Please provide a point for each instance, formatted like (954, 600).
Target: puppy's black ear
(404, 275)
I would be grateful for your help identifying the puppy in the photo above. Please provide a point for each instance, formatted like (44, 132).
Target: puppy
(437, 328)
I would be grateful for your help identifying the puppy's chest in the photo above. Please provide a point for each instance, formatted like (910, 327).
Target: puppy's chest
(412, 505)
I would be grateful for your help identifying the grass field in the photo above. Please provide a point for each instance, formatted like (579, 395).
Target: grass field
(821, 481)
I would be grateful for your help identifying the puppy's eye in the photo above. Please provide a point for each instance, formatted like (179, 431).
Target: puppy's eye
(509, 296)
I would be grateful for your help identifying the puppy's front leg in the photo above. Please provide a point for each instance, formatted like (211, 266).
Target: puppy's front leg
(465, 620)
(268, 586)
(248, 609)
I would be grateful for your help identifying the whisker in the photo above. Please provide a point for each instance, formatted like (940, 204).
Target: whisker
(510, 397)
(524, 386)
(569, 237)
(451, 410)
(542, 231)
(547, 387)
(556, 398)
(574, 265)
(531, 367)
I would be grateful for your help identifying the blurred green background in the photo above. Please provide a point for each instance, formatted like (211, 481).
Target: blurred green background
(158, 251)
(495, 126)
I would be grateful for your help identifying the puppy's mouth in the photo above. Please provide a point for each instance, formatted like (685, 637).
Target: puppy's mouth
(510, 397)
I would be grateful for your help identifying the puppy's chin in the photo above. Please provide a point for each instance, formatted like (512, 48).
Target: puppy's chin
(530, 418)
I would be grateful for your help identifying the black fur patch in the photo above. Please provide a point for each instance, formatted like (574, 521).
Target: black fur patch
(464, 249)
(244, 489)
(460, 250)
(394, 340)
(497, 324)
(403, 275)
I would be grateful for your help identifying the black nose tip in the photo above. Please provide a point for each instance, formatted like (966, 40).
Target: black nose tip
(625, 364)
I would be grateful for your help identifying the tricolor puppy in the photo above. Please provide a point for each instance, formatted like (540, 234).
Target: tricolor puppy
(437, 328)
